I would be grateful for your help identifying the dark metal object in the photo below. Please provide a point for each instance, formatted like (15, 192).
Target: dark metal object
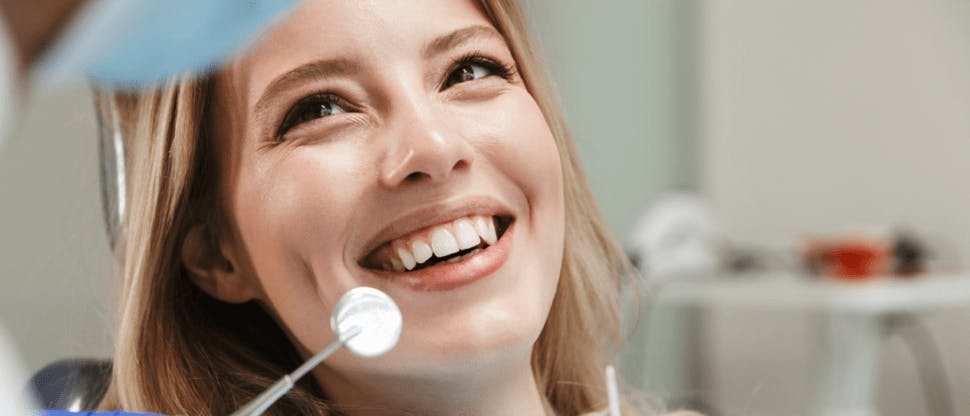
(71, 384)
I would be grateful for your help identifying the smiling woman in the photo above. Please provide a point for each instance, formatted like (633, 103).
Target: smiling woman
(363, 144)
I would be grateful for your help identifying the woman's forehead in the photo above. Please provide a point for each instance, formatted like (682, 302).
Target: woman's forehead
(366, 32)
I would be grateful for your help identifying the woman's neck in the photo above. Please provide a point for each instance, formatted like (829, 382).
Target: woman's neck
(495, 391)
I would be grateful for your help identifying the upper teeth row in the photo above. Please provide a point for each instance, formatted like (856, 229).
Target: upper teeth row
(443, 240)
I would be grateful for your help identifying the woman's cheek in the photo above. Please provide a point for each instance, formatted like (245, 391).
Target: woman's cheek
(297, 215)
(511, 133)
(298, 210)
(530, 151)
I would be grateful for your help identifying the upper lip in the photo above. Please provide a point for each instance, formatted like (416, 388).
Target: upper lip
(434, 214)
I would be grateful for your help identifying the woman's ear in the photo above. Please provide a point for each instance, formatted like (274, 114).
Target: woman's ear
(212, 267)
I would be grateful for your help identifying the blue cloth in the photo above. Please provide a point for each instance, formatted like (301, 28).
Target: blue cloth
(66, 413)
(133, 43)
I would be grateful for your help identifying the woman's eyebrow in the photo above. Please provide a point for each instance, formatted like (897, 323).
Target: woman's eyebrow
(451, 40)
(329, 68)
(326, 68)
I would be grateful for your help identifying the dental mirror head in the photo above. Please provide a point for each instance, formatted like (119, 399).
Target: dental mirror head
(366, 321)
(375, 314)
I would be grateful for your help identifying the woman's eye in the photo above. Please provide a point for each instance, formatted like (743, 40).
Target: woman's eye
(308, 109)
(469, 71)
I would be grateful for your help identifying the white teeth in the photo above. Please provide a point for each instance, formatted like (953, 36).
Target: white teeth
(480, 226)
(396, 265)
(422, 251)
(467, 237)
(443, 242)
(406, 258)
(486, 229)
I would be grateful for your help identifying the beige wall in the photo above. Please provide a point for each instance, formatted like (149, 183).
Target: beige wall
(54, 266)
(621, 73)
(832, 115)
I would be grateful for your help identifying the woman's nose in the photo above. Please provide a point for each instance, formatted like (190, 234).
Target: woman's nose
(424, 149)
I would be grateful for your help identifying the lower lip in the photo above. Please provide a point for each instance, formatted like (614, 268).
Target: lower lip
(448, 276)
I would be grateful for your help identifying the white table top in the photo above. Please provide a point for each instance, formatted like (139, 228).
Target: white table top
(873, 296)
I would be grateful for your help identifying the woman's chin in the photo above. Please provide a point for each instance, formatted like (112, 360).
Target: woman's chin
(470, 357)
(460, 348)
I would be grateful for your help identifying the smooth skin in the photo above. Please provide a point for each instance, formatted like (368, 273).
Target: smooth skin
(413, 112)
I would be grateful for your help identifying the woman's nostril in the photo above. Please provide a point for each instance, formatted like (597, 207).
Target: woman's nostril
(415, 176)
(419, 175)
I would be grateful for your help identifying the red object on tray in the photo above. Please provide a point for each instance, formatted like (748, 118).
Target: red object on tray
(850, 258)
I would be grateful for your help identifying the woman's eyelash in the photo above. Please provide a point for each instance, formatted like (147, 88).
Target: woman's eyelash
(309, 108)
(505, 71)
(313, 106)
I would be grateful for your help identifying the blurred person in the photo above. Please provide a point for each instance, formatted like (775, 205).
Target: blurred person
(111, 42)
(365, 144)
(119, 42)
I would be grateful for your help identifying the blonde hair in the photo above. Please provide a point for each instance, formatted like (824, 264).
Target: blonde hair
(179, 351)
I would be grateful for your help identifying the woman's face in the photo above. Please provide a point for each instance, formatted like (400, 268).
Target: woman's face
(392, 144)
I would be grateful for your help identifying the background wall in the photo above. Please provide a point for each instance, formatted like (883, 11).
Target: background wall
(55, 270)
(625, 81)
(830, 115)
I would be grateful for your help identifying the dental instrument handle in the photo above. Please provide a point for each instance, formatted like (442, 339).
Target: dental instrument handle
(612, 392)
(322, 355)
(262, 402)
